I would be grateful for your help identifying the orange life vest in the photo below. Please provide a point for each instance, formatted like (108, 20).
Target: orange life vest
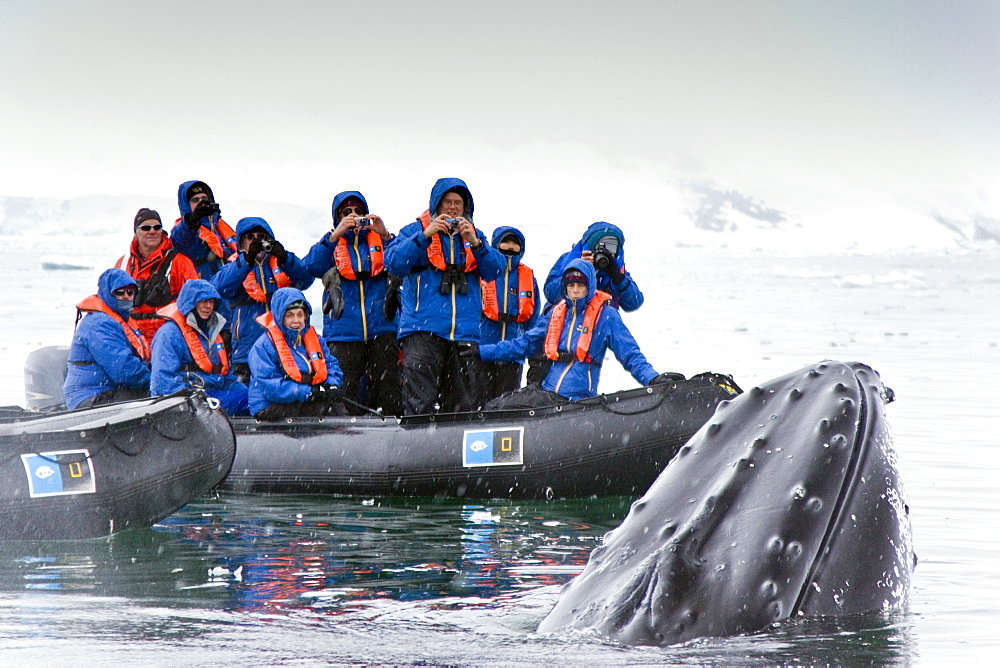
(590, 316)
(93, 304)
(313, 347)
(435, 252)
(215, 239)
(342, 256)
(252, 286)
(193, 341)
(525, 297)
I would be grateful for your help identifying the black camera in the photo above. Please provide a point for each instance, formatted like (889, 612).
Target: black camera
(266, 246)
(214, 206)
(602, 258)
(454, 222)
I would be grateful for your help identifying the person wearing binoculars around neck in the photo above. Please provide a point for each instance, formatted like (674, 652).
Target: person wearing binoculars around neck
(158, 269)
(358, 328)
(250, 278)
(441, 258)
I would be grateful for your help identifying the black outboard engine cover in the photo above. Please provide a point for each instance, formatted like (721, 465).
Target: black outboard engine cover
(44, 373)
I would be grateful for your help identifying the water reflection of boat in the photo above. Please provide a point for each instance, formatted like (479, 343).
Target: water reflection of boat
(92, 472)
(613, 444)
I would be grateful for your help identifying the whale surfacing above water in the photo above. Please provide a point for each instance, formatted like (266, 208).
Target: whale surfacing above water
(786, 504)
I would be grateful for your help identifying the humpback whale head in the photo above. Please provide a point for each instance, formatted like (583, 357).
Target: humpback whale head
(786, 503)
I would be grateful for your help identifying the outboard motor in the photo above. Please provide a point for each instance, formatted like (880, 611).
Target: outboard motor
(44, 373)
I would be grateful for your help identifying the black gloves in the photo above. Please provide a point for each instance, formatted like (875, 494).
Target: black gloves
(467, 348)
(255, 248)
(604, 261)
(203, 210)
(667, 377)
(325, 394)
(277, 251)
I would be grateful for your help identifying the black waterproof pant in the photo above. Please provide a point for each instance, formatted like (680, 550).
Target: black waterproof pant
(435, 375)
(500, 378)
(371, 373)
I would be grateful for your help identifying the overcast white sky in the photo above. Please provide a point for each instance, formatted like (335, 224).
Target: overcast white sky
(294, 101)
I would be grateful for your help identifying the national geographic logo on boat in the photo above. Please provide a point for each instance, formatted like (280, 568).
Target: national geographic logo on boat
(59, 473)
(493, 447)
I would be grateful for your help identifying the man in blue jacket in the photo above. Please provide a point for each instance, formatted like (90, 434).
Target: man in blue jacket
(351, 261)
(291, 375)
(575, 334)
(261, 268)
(189, 350)
(108, 359)
(200, 233)
(511, 305)
(441, 260)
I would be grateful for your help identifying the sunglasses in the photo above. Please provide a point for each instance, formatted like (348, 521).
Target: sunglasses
(253, 236)
(124, 292)
(148, 228)
(356, 210)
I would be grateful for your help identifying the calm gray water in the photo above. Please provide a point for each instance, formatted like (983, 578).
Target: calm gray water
(264, 580)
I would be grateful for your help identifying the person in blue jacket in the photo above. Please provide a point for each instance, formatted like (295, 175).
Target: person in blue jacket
(200, 233)
(441, 259)
(189, 350)
(562, 334)
(248, 282)
(108, 358)
(291, 376)
(351, 261)
(603, 245)
(511, 305)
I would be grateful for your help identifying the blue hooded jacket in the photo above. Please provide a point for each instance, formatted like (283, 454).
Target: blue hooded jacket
(625, 294)
(574, 379)
(101, 357)
(173, 364)
(268, 382)
(363, 318)
(451, 316)
(187, 241)
(245, 310)
(492, 331)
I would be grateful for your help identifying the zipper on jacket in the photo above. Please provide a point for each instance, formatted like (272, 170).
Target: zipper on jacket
(454, 318)
(506, 281)
(569, 342)
(361, 289)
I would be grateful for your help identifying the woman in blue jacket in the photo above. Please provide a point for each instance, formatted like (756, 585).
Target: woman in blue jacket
(441, 260)
(575, 335)
(510, 308)
(291, 375)
(262, 267)
(189, 351)
(351, 261)
(108, 359)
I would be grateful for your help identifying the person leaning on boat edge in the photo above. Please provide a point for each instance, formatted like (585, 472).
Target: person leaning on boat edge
(108, 358)
(562, 335)
(291, 376)
(200, 233)
(158, 269)
(602, 245)
(250, 278)
(511, 306)
(190, 350)
(351, 261)
(441, 259)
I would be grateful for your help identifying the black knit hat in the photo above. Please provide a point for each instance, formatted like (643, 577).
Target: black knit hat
(197, 188)
(145, 214)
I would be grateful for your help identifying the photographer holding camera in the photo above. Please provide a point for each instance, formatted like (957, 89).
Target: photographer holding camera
(441, 258)
(350, 260)
(200, 233)
(248, 280)
(602, 245)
